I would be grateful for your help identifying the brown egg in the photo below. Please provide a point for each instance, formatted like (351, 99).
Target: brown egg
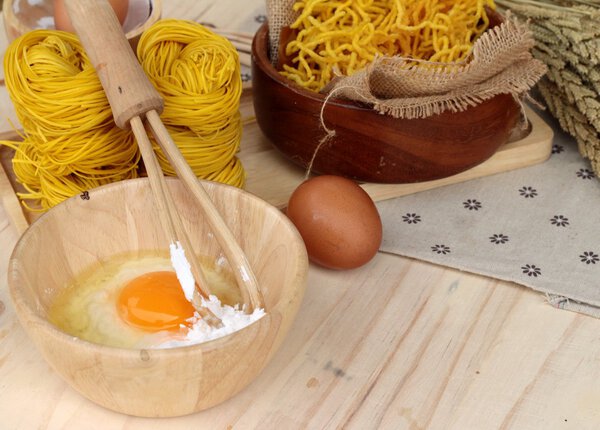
(62, 21)
(338, 221)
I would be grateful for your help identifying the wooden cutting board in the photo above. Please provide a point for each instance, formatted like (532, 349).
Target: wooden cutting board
(273, 178)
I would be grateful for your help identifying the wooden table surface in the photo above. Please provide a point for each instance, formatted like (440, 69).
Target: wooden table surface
(396, 344)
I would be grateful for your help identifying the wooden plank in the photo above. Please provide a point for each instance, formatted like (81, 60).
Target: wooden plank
(532, 149)
(437, 349)
(9, 199)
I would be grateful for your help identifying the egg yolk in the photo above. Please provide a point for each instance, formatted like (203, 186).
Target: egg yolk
(154, 301)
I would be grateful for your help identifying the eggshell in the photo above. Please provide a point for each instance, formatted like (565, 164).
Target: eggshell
(338, 221)
(62, 21)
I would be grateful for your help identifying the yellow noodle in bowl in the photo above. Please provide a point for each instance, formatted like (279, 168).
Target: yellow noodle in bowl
(340, 37)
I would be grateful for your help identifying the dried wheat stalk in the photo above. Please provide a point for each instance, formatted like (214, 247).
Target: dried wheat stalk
(567, 35)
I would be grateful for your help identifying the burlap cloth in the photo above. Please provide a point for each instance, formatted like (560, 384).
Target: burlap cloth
(501, 62)
(536, 226)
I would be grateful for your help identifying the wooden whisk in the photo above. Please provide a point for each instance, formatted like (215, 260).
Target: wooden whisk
(133, 101)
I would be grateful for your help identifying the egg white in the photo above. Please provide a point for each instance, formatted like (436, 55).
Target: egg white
(87, 309)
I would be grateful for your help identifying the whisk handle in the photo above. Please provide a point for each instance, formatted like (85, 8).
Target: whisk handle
(127, 87)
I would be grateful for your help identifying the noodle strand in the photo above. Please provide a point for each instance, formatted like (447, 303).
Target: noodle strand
(342, 37)
(70, 142)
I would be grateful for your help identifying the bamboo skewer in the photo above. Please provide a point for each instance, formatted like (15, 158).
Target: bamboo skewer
(171, 221)
(133, 98)
(244, 276)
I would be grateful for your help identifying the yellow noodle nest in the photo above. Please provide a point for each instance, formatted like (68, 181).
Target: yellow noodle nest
(340, 37)
(71, 143)
(198, 74)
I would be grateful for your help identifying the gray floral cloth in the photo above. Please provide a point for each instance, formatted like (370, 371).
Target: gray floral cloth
(538, 226)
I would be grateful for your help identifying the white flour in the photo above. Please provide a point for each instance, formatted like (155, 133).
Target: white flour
(233, 319)
(182, 270)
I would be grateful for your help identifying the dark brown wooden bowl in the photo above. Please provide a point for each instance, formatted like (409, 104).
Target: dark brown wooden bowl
(369, 146)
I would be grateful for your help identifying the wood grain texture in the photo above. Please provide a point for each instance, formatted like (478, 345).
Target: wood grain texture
(368, 146)
(120, 219)
(274, 178)
(9, 200)
(440, 349)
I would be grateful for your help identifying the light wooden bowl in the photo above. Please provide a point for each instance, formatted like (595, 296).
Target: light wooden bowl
(21, 17)
(369, 146)
(121, 217)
